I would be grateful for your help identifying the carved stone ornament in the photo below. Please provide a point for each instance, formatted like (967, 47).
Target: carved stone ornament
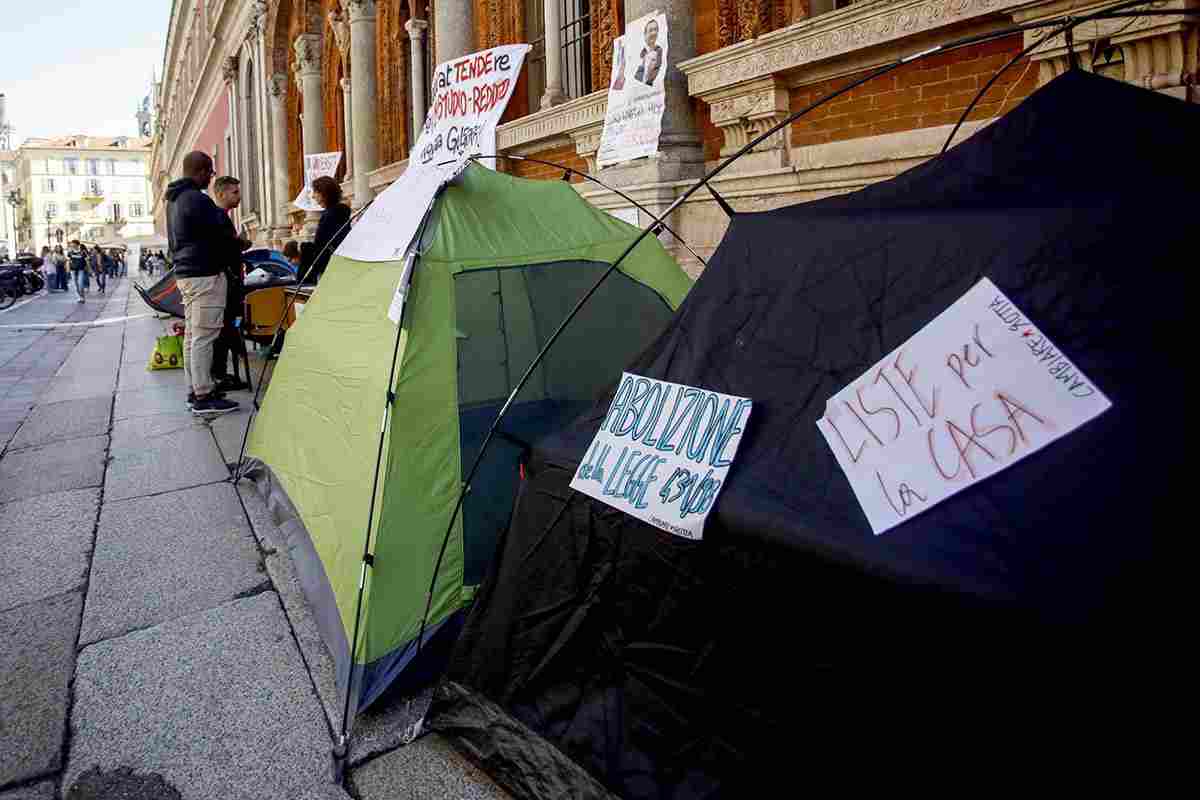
(359, 9)
(754, 109)
(258, 14)
(229, 69)
(341, 33)
(823, 36)
(308, 54)
(277, 87)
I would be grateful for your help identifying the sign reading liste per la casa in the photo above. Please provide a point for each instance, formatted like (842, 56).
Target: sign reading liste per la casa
(663, 451)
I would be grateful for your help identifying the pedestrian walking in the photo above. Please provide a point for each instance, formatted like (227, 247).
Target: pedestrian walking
(199, 241)
(78, 260)
(110, 263)
(96, 262)
(60, 268)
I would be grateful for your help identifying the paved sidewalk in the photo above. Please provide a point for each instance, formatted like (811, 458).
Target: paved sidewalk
(153, 639)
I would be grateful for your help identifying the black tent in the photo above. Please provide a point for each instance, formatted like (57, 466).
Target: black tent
(605, 654)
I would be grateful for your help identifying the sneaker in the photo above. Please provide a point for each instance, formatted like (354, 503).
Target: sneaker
(213, 406)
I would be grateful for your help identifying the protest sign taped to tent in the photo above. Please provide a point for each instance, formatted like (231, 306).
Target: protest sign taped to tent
(681, 438)
(974, 391)
(316, 165)
(636, 92)
(469, 96)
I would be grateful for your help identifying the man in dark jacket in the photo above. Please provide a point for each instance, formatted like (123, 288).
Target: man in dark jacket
(227, 193)
(200, 244)
(77, 258)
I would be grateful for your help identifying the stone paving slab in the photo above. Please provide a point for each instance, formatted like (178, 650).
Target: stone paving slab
(283, 576)
(228, 429)
(36, 662)
(161, 453)
(162, 557)
(38, 791)
(57, 467)
(44, 545)
(428, 769)
(150, 401)
(217, 703)
(71, 419)
(135, 376)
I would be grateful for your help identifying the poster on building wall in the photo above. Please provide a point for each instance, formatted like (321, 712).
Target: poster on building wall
(636, 91)
(316, 165)
(468, 97)
(973, 392)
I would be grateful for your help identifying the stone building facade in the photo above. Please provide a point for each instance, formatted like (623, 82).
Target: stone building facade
(260, 83)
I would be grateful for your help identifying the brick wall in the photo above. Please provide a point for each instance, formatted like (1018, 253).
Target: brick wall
(924, 94)
(564, 155)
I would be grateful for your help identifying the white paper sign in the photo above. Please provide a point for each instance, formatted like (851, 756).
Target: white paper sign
(469, 96)
(975, 390)
(663, 451)
(636, 91)
(316, 165)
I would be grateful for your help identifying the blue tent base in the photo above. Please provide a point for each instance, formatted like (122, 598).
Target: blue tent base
(403, 671)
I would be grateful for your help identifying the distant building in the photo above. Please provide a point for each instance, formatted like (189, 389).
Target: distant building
(82, 187)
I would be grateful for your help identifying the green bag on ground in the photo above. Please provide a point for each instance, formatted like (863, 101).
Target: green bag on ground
(168, 353)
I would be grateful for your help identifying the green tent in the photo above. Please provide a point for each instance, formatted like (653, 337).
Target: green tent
(500, 263)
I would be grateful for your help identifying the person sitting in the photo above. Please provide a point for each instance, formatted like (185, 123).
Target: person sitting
(332, 228)
(291, 251)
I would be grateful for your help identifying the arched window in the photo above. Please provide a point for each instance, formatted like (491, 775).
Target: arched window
(252, 158)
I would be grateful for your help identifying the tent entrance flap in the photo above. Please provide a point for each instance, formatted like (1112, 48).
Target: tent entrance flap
(503, 318)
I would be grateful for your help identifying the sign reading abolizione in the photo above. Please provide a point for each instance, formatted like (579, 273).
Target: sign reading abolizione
(636, 92)
(974, 391)
(663, 451)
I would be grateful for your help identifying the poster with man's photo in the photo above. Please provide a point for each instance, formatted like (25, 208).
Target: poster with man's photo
(636, 91)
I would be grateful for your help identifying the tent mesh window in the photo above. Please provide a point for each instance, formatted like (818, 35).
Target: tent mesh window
(504, 318)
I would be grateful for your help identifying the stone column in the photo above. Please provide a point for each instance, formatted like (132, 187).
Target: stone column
(552, 19)
(277, 90)
(416, 33)
(454, 29)
(362, 57)
(308, 72)
(349, 154)
(681, 153)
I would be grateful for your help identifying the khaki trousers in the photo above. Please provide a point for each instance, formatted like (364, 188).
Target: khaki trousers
(204, 315)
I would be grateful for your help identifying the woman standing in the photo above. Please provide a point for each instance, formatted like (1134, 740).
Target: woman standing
(60, 268)
(330, 230)
(47, 267)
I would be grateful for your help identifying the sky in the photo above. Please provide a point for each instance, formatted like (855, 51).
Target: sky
(79, 66)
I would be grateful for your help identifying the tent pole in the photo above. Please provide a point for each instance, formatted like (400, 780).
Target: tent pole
(287, 307)
(746, 148)
(340, 749)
